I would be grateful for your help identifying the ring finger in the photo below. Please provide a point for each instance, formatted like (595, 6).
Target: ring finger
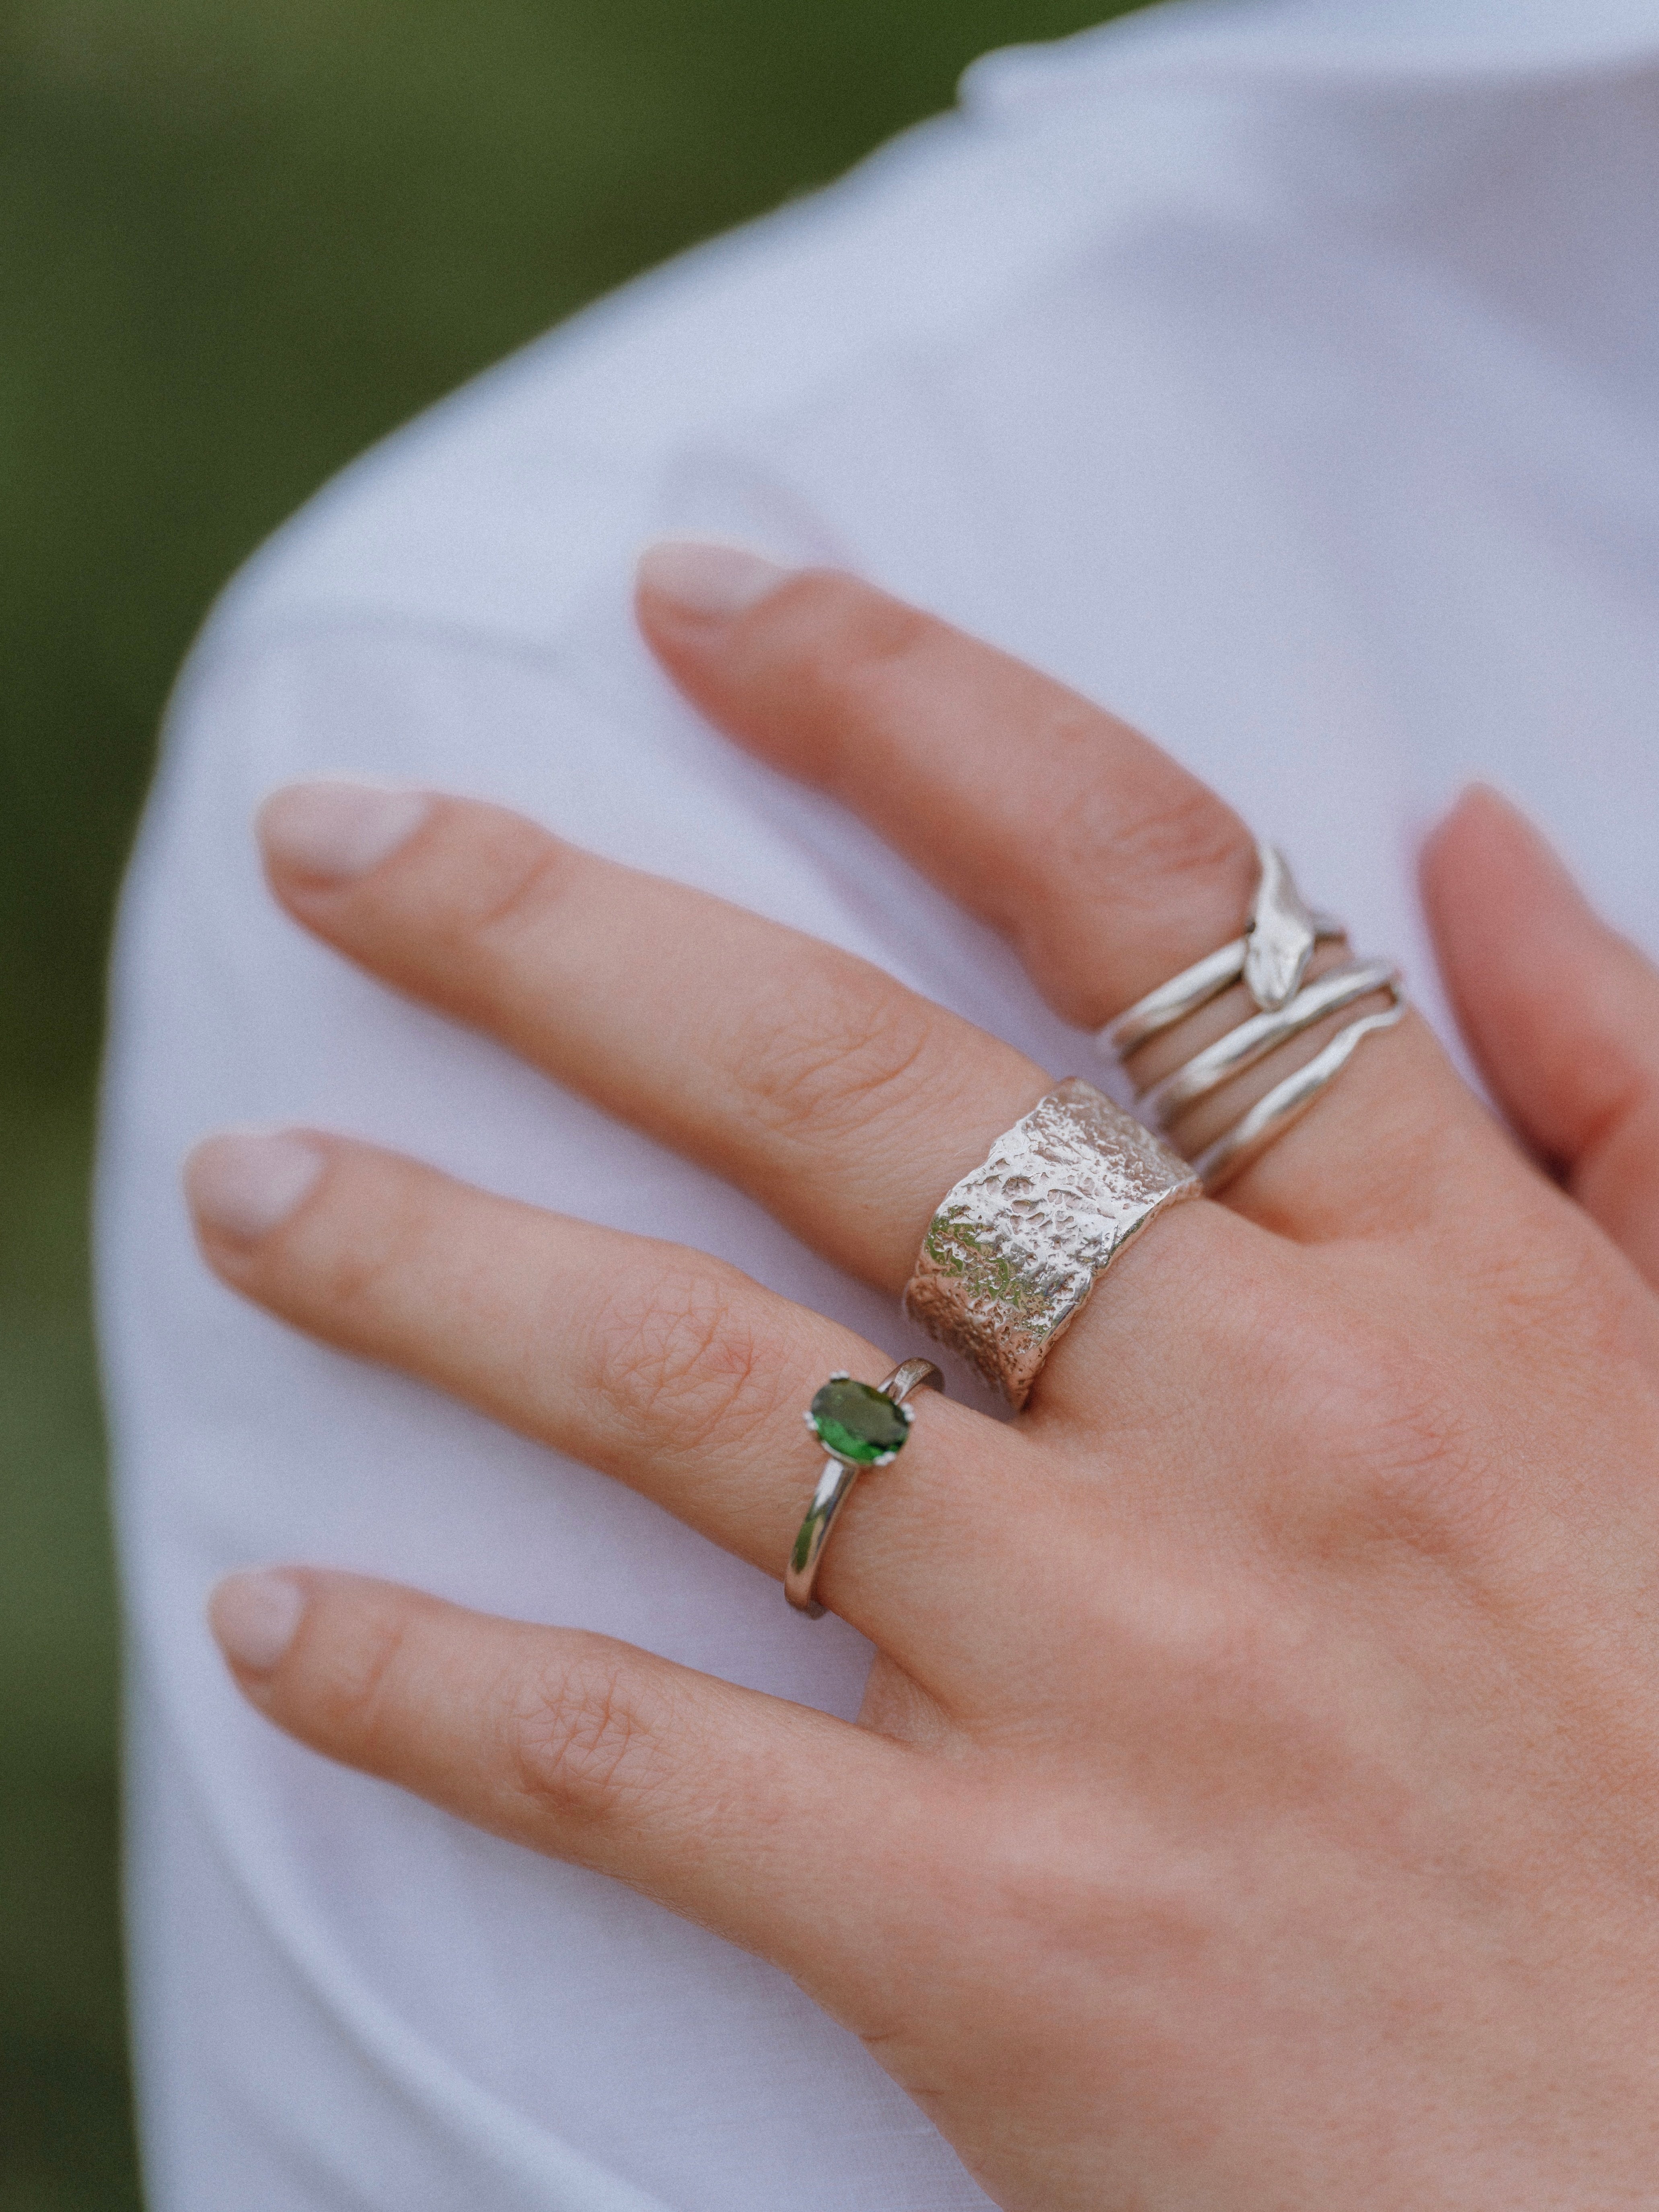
(669, 1370)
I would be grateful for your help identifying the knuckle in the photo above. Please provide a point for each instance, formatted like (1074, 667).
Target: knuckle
(1372, 1448)
(846, 1044)
(474, 867)
(1248, 1674)
(1223, 1643)
(525, 886)
(1554, 1295)
(1159, 847)
(1121, 863)
(860, 637)
(357, 1695)
(679, 1359)
(378, 1246)
(581, 1739)
(1404, 1472)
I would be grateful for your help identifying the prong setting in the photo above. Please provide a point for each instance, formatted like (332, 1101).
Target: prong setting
(858, 1423)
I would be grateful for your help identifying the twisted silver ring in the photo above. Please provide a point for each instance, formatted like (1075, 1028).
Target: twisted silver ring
(1270, 959)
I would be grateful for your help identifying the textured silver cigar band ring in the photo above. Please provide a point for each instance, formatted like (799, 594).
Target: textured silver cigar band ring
(1012, 1254)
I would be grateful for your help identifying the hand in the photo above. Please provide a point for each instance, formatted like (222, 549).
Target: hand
(1256, 1799)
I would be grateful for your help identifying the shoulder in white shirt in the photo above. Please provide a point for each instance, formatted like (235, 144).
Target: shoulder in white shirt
(1280, 374)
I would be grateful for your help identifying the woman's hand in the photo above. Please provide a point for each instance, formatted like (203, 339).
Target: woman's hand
(1256, 1799)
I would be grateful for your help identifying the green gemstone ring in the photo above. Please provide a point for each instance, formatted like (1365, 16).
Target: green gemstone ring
(858, 1424)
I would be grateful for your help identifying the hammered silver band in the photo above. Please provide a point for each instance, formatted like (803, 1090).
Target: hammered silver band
(834, 1486)
(1270, 959)
(1015, 1248)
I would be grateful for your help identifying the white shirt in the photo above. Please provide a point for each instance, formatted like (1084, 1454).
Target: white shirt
(1284, 376)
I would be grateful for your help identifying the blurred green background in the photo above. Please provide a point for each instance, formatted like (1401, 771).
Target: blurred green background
(238, 241)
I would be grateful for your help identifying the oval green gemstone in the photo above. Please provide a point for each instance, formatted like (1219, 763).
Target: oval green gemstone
(854, 1421)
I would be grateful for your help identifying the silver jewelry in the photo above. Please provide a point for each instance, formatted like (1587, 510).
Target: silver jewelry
(1012, 1254)
(858, 1424)
(1270, 959)
(1287, 1102)
(1253, 1040)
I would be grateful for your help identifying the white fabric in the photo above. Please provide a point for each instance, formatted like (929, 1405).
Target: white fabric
(1283, 376)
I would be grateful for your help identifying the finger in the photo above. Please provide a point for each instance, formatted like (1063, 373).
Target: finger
(668, 1371)
(844, 1103)
(764, 1820)
(1561, 1013)
(1108, 867)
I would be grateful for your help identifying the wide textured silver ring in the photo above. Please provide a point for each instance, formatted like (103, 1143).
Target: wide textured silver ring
(858, 1424)
(1015, 1248)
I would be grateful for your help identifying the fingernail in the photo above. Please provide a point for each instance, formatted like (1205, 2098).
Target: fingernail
(1516, 823)
(245, 1182)
(254, 1618)
(705, 579)
(337, 830)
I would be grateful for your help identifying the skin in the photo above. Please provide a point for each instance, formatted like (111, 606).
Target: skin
(1256, 1799)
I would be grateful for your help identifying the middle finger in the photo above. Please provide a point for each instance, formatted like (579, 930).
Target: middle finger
(846, 1104)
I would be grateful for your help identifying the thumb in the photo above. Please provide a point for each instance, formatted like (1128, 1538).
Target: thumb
(1561, 1013)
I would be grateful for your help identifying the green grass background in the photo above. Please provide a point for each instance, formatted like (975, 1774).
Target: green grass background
(237, 241)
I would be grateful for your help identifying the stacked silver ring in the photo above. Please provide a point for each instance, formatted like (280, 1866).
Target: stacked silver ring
(1270, 959)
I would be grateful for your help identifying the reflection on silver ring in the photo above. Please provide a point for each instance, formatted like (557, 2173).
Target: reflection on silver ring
(1015, 1250)
(1242, 1049)
(1270, 960)
(1287, 1102)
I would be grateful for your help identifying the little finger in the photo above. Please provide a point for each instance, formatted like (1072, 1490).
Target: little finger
(1561, 1013)
(763, 1820)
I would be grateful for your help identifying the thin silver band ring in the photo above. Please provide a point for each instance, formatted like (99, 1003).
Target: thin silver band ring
(1185, 993)
(1253, 1040)
(1287, 1102)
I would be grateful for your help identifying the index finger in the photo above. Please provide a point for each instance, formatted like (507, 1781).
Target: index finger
(1108, 865)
